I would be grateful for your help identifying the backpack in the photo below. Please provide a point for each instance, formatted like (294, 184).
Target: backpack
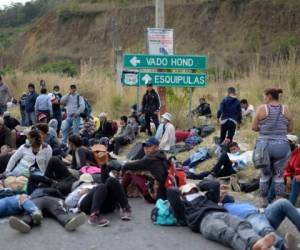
(136, 152)
(193, 140)
(176, 176)
(114, 127)
(162, 214)
(87, 106)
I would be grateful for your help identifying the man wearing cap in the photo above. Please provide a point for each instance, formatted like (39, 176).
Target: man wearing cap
(155, 162)
(5, 96)
(292, 169)
(105, 128)
(202, 214)
(75, 105)
(150, 107)
(166, 133)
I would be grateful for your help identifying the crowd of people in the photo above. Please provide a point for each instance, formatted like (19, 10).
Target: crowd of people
(64, 164)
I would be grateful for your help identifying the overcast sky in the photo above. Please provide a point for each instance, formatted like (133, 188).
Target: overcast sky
(9, 2)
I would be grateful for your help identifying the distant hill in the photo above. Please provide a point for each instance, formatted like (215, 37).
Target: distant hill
(233, 33)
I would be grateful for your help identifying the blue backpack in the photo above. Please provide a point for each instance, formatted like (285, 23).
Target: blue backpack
(162, 214)
(87, 106)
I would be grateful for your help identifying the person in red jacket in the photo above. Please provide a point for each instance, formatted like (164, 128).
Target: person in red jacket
(292, 170)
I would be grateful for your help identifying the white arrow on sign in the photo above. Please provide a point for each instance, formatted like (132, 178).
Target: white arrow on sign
(134, 61)
(147, 79)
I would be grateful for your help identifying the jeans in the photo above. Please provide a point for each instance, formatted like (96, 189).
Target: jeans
(23, 117)
(279, 155)
(295, 192)
(227, 131)
(104, 198)
(262, 226)
(148, 117)
(30, 118)
(12, 206)
(3, 108)
(70, 122)
(229, 230)
(279, 210)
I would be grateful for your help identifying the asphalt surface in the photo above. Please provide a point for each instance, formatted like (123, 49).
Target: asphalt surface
(139, 233)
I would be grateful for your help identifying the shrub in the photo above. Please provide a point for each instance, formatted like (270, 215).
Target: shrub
(66, 67)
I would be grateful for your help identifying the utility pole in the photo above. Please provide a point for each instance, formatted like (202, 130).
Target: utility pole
(160, 23)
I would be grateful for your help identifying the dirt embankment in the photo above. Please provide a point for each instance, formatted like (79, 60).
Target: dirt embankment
(231, 32)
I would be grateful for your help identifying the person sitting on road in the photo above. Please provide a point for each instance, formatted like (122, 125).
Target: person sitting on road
(144, 173)
(268, 220)
(203, 109)
(292, 169)
(224, 166)
(248, 110)
(202, 214)
(124, 137)
(134, 123)
(105, 128)
(166, 133)
(51, 207)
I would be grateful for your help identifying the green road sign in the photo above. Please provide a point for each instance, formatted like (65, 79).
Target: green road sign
(173, 79)
(136, 61)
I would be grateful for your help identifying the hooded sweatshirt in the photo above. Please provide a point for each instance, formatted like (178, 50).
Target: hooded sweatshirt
(156, 164)
(230, 109)
(53, 123)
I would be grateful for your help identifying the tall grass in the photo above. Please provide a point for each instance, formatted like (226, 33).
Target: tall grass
(101, 89)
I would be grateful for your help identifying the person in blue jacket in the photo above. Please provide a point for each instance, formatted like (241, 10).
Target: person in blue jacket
(229, 115)
(30, 105)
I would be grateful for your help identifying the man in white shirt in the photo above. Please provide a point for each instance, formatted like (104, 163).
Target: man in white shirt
(247, 109)
(167, 138)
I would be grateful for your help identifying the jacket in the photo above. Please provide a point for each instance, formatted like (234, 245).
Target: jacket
(5, 137)
(74, 104)
(203, 110)
(293, 166)
(30, 101)
(168, 138)
(82, 157)
(157, 165)
(25, 156)
(150, 102)
(105, 130)
(192, 212)
(127, 133)
(230, 109)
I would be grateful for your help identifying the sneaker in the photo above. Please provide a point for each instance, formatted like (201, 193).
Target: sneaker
(37, 217)
(292, 242)
(234, 183)
(126, 214)
(98, 221)
(75, 222)
(19, 225)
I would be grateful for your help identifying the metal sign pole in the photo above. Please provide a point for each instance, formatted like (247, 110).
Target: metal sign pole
(190, 108)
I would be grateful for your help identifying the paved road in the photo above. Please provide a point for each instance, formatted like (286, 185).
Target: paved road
(139, 233)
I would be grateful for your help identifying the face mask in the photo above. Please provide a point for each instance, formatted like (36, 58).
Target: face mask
(236, 153)
(191, 197)
(28, 142)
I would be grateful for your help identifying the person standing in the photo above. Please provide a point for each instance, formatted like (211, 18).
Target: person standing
(56, 108)
(273, 121)
(166, 136)
(22, 108)
(229, 115)
(150, 107)
(5, 96)
(75, 105)
(30, 105)
(43, 104)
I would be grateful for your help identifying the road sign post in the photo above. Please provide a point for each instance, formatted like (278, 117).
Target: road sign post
(178, 62)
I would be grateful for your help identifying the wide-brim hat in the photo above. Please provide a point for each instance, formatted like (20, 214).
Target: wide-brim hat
(293, 138)
(167, 116)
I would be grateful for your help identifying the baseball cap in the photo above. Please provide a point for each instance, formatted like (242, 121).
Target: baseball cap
(6, 114)
(152, 141)
(167, 116)
(188, 188)
(41, 116)
(87, 178)
(292, 138)
(149, 85)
